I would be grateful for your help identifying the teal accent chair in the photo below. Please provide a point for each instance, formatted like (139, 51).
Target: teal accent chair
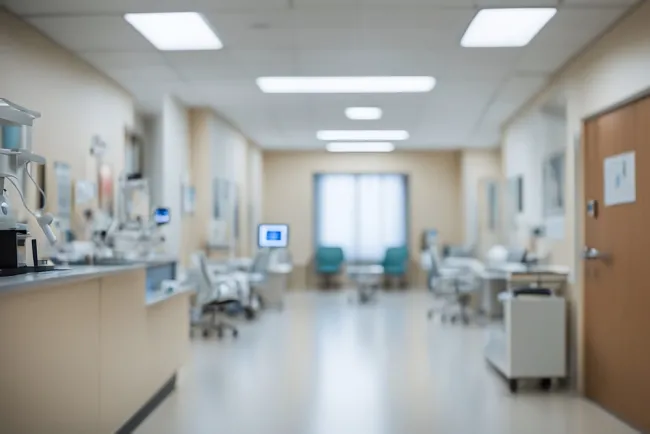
(329, 264)
(395, 265)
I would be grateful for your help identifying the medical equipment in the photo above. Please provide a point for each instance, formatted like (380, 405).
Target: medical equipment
(272, 236)
(136, 234)
(268, 276)
(215, 294)
(13, 164)
(162, 216)
(452, 283)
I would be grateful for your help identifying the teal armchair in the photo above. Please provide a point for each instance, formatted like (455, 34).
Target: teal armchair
(395, 264)
(329, 263)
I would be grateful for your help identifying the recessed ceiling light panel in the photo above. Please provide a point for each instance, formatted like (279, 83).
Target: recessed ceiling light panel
(362, 135)
(363, 113)
(176, 31)
(360, 147)
(514, 27)
(346, 84)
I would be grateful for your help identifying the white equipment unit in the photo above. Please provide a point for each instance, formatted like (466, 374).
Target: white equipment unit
(14, 163)
(530, 343)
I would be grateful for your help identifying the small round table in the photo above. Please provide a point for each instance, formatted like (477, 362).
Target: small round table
(368, 279)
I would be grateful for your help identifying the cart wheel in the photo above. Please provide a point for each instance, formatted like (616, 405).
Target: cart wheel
(235, 334)
(514, 386)
(249, 314)
(545, 384)
(205, 333)
(220, 334)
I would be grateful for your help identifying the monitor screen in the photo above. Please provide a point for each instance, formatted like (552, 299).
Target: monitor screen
(273, 236)
(162, 216)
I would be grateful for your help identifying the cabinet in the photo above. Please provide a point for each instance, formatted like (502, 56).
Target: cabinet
(530, 341)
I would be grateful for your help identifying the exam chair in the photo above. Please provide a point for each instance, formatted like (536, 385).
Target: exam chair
(452, 287)
(215, 295)
(395, 265)
(329, 264)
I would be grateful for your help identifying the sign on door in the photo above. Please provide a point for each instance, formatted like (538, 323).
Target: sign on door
(620, 179)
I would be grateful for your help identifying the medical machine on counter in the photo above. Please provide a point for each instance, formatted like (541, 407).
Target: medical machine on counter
(14, 163)
(133, 235)
(272, 236)
(274, 262)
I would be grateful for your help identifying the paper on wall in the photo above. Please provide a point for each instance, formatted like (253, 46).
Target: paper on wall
(84, 192)
(620, 179)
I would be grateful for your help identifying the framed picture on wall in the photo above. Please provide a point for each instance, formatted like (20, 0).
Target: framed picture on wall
(63, 178)
(188, 194)
(106, 188)
(554, 180)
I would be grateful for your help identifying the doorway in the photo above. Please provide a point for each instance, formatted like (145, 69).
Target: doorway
(617, 286)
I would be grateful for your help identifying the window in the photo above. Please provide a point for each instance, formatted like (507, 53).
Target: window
(363, 214)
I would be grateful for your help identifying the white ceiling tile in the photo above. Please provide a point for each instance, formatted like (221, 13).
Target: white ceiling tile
(123, 6)
(497, 113)
(518, 90)
(599, 3)
(419, 3)
(516, 3)
(440, 21)
(204, 65)
(326, 18)
(348, 4)
(119, 60)
(568, 32)
(92, 33)
(152, 73)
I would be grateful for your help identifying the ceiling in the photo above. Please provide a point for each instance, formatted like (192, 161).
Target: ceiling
(477, 89)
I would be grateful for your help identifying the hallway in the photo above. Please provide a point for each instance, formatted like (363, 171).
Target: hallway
(327, 366)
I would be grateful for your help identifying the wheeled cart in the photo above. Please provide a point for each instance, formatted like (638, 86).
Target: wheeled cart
(530, 342)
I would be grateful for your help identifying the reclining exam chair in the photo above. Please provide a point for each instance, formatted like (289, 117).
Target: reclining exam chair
(215, 294)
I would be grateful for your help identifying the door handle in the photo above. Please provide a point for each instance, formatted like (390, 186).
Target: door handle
(593, 254)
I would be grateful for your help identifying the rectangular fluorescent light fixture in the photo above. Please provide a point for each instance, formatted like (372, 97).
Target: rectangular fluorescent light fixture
(362, 135)
(360, 147)
(363, 113)
(346, 84)
(176, 31)
(514, 27)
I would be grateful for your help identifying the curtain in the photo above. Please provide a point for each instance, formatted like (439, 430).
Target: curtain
(364, 214)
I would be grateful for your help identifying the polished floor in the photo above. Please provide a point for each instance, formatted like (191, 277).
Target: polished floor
(328, 366)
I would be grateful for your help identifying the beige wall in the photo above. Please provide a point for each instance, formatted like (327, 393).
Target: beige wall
(75, 100)
(610, 72)
(434, 188)
(216, 149)
(476, 166)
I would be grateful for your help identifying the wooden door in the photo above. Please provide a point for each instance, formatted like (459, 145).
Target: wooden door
(617, 289)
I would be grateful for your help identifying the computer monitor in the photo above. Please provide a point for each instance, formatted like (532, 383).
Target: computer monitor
(162, 216)
(272, 236)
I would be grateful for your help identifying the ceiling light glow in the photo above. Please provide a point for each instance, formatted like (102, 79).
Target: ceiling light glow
(176, 31)
(363, 113)
(513, 27)
(346, 84)
(362, 135)
(360, 147)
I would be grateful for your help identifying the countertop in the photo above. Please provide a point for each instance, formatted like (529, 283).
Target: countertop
(62, 274)
(22, 282)
(157, 297)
